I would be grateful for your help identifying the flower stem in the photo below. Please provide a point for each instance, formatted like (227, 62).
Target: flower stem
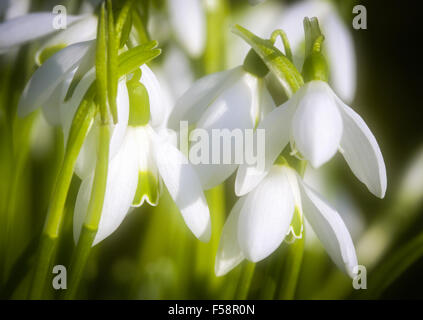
(244, 283)
(95, 207)
(293, 261)
(80, 126)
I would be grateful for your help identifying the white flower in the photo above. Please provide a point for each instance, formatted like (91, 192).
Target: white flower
(32, 26)
(318, 124)
(259, 222)
(232, 99)
(48, 85)
(147, 155)
(188, 19)
(339, 44)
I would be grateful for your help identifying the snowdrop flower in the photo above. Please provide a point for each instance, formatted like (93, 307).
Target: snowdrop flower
(188, 19)
(32, 26)
(147, 156)
(340, 49)
(232, 99)
(48, 85)
(260, 221)
(339, 42)
(318, 124)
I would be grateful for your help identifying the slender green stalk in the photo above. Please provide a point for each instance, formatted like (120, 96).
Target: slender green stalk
(214, 59)
(244, 283)
(80, 126)
(293, 261)
(95, 207)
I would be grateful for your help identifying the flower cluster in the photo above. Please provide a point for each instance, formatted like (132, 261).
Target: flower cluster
(98, 66)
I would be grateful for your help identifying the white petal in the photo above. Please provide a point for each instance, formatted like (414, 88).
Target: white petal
(82, 30)
(266, 215)
(17, 31)
(68, 108)
(49, 75)
(119, 129)
(330, 229)
(189, 23)
(202, 93)
(159, 110)
(317, 124)
(234, 109)
(184, 187)
(229, 253)
(122, 181)
(361, 151)
(341, 56)
(14, 8)
(277, 126)
(86, 160)
(51, 109)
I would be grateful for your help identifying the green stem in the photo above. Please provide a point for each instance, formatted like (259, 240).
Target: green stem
(214, 59)
(80, 126)
(293, 261)
(95, 207)
(244, 283)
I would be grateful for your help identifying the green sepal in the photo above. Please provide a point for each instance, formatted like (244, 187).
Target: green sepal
(148, 189)
(49, 51)
(284, 70)
(315, 65)
(139, 104)
(132, 59)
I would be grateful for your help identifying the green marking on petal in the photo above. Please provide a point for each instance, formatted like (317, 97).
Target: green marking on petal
(147, 189)
(139, 103)
(48, 52)
(296, 227)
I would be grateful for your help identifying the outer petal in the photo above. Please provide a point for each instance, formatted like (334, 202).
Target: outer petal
(85, 163)
(159, 111)
(119, 130)
(49, 75)
(317, 124)
(266, 215)
(341, 54)
(330, 229)
(202, 93)
(188, 20)
(121, 185)
(361, 151)
(17, 31)
(68, 108)
(183, 185)
(277, 126)
(229, 253)
(82, 30)
(234, 109)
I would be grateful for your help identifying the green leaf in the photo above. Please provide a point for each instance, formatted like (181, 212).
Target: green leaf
(284, 70)
(135, 57)
(101, 65)
(124, 23)
(112, 62)
(394, 266)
